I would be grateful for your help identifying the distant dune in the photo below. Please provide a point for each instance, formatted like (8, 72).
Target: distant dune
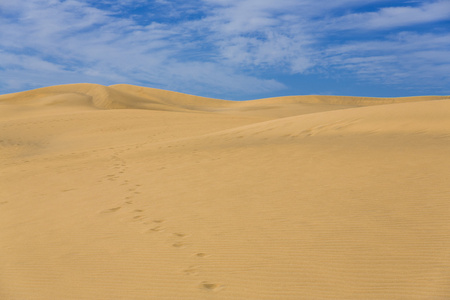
(126, 192)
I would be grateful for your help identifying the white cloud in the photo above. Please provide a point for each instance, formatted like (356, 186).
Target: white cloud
(260, 34)
(72, 37)
(391, 17)
(406, 57)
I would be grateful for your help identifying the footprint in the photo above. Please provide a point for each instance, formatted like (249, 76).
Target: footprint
(111, 210)
(200, 254)
(179, 234)
(213, 287)
(156, 229)
(178, 245)
(192, 270)
(158, 221)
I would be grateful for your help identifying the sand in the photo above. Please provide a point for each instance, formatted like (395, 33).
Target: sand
(125, 192)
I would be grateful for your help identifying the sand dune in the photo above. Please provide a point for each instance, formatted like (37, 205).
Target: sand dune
(125, 192)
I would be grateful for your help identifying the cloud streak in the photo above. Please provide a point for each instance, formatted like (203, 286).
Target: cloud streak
(393, 17)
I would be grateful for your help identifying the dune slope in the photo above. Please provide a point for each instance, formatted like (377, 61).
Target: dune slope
(125, 192)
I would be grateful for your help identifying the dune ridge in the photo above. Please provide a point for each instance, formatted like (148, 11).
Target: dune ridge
(126, 192)
(123, 96)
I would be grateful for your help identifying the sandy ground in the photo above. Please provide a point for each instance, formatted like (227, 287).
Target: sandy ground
(125, 192)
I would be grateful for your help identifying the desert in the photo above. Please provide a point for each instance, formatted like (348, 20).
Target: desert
(126, 192)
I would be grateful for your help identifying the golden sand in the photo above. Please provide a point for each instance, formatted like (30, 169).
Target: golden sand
(125, 192)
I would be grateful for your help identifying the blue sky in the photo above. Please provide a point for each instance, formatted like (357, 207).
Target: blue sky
(230, 49)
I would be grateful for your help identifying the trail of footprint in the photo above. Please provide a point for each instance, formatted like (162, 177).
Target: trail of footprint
(194, 270)
(119, 166)
(205, 285)
(155, 226)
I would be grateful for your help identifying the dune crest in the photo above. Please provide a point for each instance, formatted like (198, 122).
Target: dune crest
(123, 96)
(87, 95)
(125, 192)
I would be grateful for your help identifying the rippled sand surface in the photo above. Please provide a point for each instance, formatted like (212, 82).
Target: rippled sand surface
(125, 192)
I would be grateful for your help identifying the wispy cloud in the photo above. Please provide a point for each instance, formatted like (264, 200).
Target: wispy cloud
(72, 37)
(405, 57)
(260, 34)
(392, 17)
